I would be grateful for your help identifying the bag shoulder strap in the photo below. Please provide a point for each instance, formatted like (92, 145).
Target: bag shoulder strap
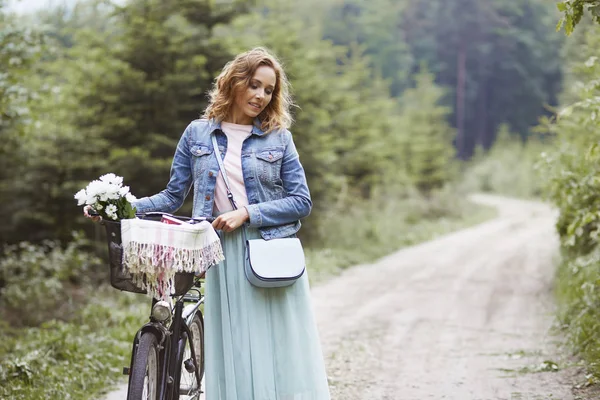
(223, 171)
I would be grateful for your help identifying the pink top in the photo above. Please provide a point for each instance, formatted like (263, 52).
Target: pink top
(236, 134)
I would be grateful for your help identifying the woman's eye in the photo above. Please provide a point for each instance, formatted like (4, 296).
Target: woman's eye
(254, 87)
(269, 92)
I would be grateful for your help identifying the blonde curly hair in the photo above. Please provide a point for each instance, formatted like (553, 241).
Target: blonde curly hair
(236, 76)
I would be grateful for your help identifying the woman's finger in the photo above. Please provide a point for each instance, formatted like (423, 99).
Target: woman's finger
(218, 223)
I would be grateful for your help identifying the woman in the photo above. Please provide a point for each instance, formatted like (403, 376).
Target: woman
(261, 344)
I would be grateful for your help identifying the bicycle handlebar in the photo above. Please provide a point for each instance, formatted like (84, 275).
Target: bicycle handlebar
(157, 215)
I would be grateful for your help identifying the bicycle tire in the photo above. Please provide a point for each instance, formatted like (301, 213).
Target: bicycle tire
(144, 383)
(184, 382)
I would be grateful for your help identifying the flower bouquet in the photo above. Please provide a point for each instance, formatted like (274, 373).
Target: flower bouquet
(108, 197)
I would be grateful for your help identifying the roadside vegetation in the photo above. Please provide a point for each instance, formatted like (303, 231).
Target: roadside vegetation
(572, 182)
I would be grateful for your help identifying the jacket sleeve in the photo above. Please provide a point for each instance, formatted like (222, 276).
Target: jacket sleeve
(171, 199)
(297, 204)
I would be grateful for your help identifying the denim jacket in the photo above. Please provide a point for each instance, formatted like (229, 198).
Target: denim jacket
(275, 182)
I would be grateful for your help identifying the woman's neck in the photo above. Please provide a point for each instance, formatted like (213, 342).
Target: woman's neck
(238, 118)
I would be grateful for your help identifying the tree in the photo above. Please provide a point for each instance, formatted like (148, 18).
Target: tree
(573, 11)
(375, 26)
(496, 57)
(19, 49)
(428, 150)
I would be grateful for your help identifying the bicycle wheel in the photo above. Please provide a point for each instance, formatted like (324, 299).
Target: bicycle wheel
(190, 377)
(144, 374)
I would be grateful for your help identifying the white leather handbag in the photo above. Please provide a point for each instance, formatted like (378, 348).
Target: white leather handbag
(275, 262)
(268, 263)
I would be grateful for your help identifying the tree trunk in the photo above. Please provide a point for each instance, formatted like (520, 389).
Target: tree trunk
(482, 106)
(461, 66)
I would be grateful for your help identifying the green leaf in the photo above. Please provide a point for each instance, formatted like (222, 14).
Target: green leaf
(565, 112)
(595, 10)
(569, 25)
(562, 7)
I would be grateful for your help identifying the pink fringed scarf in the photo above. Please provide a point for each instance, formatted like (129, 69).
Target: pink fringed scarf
(153, 252)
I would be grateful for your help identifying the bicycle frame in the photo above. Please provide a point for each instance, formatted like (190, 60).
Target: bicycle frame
(171, 342)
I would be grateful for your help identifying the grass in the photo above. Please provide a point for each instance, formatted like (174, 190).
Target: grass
(75, 359)
(578, 295)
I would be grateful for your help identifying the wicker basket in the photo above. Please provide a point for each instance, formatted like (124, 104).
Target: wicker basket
(120, 278)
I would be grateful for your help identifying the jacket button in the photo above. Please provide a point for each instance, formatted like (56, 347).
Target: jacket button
(207, 197)
(210, 174)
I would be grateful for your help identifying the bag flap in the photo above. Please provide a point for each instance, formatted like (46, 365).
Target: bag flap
(276, 258)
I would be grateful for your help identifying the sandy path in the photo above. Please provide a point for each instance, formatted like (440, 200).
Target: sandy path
(447, 319)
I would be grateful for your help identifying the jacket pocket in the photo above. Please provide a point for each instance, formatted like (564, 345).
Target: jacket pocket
(268, 166)
(199, 150)
(270, 155)
(200, 157)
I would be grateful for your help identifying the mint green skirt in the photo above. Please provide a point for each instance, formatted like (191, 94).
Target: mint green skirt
(260, 344)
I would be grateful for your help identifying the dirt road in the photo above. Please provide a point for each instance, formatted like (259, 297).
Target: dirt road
(455, 318)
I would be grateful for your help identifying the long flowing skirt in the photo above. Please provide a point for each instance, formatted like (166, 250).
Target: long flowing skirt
(261, 344)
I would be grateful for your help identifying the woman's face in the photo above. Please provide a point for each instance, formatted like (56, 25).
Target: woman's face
(249, 103)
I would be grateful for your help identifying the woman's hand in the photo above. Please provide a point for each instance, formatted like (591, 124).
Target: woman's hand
(86, 210)
(231, 220)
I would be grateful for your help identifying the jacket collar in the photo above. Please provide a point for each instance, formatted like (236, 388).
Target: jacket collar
(256, 129)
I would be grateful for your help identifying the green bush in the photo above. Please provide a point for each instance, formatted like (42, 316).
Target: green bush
(572, 182)
(75, 359)
(43, 282)
(508, 168)
(577, 288)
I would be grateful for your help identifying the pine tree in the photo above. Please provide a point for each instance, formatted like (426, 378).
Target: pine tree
(428, 151)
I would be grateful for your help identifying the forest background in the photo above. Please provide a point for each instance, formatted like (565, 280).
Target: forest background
(404, 107)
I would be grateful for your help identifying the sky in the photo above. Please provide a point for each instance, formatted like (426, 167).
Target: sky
(23, 6)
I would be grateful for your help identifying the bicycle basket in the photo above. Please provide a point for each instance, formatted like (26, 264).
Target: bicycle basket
(120, 278)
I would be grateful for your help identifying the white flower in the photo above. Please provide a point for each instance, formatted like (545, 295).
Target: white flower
(130, 198)
(112, 179)
(98, 207)
(81, 197)
(105, 191)
(113, 192)
(124, 190)
(111, 211)
(94, 191)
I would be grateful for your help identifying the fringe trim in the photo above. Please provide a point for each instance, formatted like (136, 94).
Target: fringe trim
(153, 266)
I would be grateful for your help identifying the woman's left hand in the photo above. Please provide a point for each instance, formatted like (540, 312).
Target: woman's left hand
(231, 220)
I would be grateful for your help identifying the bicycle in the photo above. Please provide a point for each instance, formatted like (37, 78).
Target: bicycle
(167, 358)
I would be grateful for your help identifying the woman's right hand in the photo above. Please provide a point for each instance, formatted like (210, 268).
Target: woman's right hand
(86, 213)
